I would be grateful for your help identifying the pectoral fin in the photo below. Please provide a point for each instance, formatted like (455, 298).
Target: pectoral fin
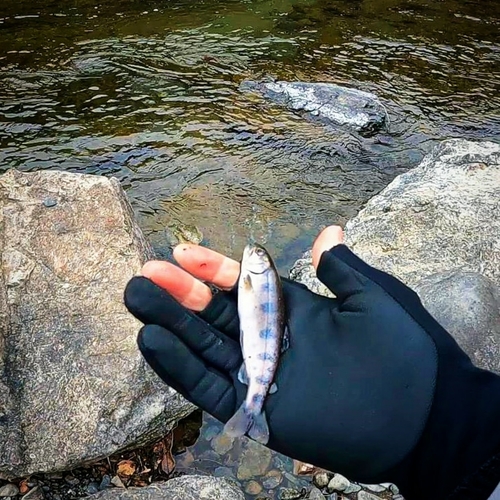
(242, 374)
(273, 388)
(247, 283)
(285, 341)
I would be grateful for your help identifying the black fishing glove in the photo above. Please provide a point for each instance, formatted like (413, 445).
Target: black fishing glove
(371, 386)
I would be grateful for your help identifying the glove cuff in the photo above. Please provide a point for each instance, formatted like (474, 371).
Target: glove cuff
(480, 484)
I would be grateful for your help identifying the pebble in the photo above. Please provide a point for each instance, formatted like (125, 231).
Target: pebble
(338, 483)
(352, 488)
(210, 455)
(105, 483)
(9, 490)
(290, 494)
(117, 482)
(315, 494)
(49, 202)
(92, 488)
(376, 488)
(394, 489)
(364, 495)
(223, 472)
(272, 480)
(255, 461)
(253, 488)
(185, 460)
(321, 480)
(398, 497)
(222, 443)
(71, 480)
(211, 432)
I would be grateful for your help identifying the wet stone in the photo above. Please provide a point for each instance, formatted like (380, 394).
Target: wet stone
(283, 462)
(92, 488)
(105, 483)
(272, 480)
(394, 489)
(211, 432)
(222, 444)
(255, 461)
(376, 488)
(352, 488)
(338, 483)
(295, 480)
(290, 494)
(364, 495)
(321, 480)
(71, 480)
(315, 494)
(253, 488)
(210, 455)
(223, 472)
(9, 490)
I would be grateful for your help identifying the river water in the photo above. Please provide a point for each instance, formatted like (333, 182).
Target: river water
(148, 91)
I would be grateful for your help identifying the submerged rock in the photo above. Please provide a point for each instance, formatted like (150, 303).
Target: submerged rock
(342, 106)
(179, 488)
(73, 384)
(255, 460)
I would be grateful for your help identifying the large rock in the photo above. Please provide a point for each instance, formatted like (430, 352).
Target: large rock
(74, 386)
(437, 228)
(342, 106)
(468, 306)
(180, 488)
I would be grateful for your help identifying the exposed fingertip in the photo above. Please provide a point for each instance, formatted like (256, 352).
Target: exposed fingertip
(326, 240)
(181, 248)
(152, 268)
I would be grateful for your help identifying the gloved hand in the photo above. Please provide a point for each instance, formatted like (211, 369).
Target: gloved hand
(371, 386)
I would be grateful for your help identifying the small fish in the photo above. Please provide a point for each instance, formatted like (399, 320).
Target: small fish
(263, 336)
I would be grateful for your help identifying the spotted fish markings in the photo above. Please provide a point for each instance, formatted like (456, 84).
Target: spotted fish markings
(262, 338)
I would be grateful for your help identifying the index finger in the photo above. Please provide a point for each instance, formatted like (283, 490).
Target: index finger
(208, 265)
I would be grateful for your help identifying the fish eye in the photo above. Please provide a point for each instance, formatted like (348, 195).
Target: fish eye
(260, 252)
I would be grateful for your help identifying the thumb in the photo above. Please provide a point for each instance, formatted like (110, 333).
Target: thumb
(336, 266)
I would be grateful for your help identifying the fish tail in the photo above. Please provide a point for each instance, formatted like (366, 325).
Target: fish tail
(259, 430)
(244, 421)
(239, 423)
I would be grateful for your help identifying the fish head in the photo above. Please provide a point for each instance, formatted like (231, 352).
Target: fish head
(256, 259)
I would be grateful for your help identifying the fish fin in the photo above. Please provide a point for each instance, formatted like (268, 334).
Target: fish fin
(285, 342)
(247, 283)
(239, 423)
(242, 374)
(259, 430)
(273, 388)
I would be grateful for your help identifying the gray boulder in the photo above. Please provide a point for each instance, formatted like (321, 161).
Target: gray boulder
(342, 106)
(437, 228)
(467, 305)
(179, 488)
(73, 385)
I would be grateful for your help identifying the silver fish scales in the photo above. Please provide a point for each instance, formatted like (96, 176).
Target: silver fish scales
(263, 336)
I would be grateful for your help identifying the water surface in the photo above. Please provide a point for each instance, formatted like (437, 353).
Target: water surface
(149, 92)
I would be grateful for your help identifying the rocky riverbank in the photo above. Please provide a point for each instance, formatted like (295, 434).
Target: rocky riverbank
(75, 390)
